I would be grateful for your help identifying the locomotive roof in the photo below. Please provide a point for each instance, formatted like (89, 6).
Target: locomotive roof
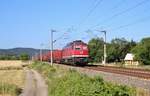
(75, 42)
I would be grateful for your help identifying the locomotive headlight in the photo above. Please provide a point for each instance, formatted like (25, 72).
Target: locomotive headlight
(81, 52)
(84, 48)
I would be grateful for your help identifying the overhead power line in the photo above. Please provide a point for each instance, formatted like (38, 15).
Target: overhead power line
(115, 7)
(132, 23)
(63, 36)
(91, 11)
(118, 4)
(122, 12)
(112, 8)
(91, 33)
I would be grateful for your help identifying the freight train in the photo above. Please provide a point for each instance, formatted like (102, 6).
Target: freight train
(75, 53)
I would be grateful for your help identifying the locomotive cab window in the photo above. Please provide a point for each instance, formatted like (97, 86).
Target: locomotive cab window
(77, 48)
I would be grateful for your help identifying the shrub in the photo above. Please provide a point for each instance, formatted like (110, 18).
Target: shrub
(11, 89)
(75, 84)
(24, 56)
(72, 83)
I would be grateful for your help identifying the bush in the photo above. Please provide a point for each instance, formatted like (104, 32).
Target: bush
(8, 57)
(11, 89)
(75, 84)
(24, 56)
(72, 83)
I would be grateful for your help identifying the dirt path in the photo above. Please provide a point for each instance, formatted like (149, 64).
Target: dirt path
(41, 87)
(34, 85)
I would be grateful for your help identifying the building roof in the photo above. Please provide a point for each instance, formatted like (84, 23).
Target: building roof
(129, 56)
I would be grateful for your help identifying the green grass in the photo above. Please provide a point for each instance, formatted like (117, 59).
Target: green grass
(71, 83)
(43, 68)
(75, 84)
(10, 89)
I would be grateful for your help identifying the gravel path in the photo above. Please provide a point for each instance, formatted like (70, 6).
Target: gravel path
(34, 85)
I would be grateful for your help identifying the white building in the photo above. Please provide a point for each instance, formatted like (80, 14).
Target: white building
(129, 59)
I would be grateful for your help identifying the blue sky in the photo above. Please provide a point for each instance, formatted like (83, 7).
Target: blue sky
(27, 23)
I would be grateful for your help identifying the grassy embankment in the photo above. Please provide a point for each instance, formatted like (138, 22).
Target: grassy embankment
(71, 83)
(11, 78)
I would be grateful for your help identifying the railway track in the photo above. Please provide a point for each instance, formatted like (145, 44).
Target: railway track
(140, 73)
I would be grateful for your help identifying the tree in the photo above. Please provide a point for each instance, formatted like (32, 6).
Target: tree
(8, 57)
(118, 48)
(13, 58)
(142, 51)
(24, 56)
(96, 49)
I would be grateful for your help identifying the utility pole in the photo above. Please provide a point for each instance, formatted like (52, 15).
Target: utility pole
(105, 53)
(41, 57)
(52, 46)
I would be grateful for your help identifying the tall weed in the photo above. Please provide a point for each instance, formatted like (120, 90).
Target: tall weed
(11, 89)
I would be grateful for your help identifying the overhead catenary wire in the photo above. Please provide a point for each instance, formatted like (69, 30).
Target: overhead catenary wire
(132, 23)
(112, 8)
(107, 26)
(64, 33)
(90, 31)
(59, 37)
(145, 19)
(98, 2)
(118, 4)
(120, 13)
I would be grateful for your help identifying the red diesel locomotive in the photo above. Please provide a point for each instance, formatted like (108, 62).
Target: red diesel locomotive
(75, 53)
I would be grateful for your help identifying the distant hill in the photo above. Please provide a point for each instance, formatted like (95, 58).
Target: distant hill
(18, 51)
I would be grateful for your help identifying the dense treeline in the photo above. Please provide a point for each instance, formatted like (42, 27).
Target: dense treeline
(22, 56)
(118, 48)
(142, 51)
(9, 57)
